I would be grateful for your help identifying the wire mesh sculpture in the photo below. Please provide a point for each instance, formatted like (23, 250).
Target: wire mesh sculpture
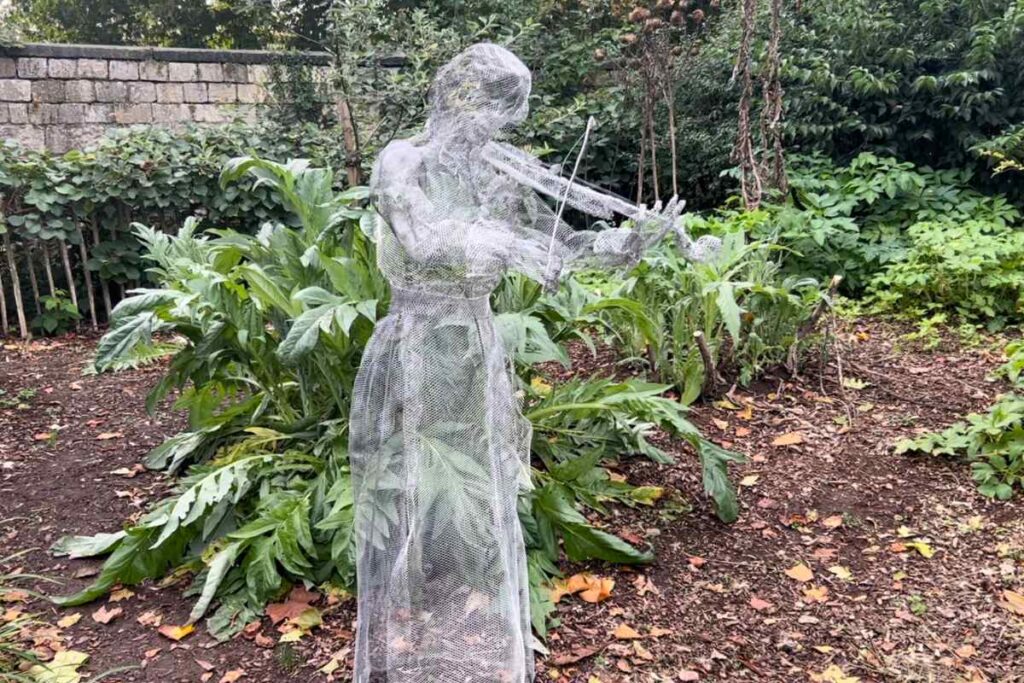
(439, 449)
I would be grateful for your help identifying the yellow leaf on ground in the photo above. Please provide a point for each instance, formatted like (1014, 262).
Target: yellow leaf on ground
(834, 674)
(232, 676)
(176, 632)
(1013, 602)
(70, 620)
(63, 668)
(841, 572)
(119, 595)
(789, 439)
(747, 413)
(800, 572)
(749, 480)
(816, 594)
(923, 548)
(107, 436)
(624, 632)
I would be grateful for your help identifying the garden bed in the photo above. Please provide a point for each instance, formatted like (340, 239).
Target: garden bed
(907, 562)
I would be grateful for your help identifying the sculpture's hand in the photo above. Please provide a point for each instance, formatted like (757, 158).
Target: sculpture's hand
(652, 226)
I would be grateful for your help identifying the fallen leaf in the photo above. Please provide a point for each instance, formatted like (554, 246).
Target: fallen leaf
(966, 651)
(149, 619)
(107, 436)
(149, 654)
(688, 675)
(841, 572)
(624, 632)
(800, 572)
(816, 594)
(834, 674)
(121, 594)
(1012, 602)
(659, 632)
(205, 665)
(833, 522)
(232, 676)
(577, 654)
(105, 616)
(641, 651)
(70, 620)
(599, 591)
(749, 480)
(721, 424)
(63, 668)
(788, 439)
(925, 550)
(759, 604)
(176, 633)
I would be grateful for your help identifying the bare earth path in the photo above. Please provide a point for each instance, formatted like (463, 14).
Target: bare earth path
(903, 563)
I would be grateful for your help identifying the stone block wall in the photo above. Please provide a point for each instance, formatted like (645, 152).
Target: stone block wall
(61, 97)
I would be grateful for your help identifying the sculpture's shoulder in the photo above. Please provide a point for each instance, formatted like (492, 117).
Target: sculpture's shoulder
(399, 159)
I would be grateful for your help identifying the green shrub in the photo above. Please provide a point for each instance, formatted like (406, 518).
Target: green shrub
(275, 325)
(854, 220)
(58, 314)
(51, 203)
(993, 444)
(748, 311)
(974, 269)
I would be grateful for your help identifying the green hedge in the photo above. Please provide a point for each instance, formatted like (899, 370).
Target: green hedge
(66, 219)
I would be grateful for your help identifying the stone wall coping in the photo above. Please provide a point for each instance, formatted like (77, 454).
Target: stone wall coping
(166, 54)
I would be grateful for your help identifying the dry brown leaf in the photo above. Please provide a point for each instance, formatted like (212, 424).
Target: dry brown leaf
(176, 633)
(149, 619)
(121, 594)
(833, 522)
(232, 676)
(599, 591)
(800, 572)
(205, 665)
(107, 436)
(577, 654)
(1012, 602)
(759, 604)
(816, 594)
(688, 675)
(105, 616)
(659, 632)
(625, 632)
(788, 439)
(641, 651)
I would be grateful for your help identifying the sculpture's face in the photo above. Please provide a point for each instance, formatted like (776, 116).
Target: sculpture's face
(480, 92)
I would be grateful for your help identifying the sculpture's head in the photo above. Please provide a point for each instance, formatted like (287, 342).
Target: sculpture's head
(482, 90)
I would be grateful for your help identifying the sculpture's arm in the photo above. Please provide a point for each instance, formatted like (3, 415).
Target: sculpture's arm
(427, 233)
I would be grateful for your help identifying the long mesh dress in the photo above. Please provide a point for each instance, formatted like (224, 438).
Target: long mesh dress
(439, 448)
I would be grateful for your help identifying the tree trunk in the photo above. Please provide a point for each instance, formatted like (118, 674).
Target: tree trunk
(350, 138)
(16, 286)
(49, 269)
(88, 281)
(68, 273)
(33, 280)
(3, 306)
(104, 288)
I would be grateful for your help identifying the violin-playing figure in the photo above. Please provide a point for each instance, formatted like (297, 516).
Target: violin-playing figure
(439, 449)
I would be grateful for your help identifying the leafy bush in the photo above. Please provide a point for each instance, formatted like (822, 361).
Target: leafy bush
(974, 269)
(747, 310)
(59, 314)
(275, 325)
(854, 220)
(143, 174)
(993, 442)
(922, 81)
